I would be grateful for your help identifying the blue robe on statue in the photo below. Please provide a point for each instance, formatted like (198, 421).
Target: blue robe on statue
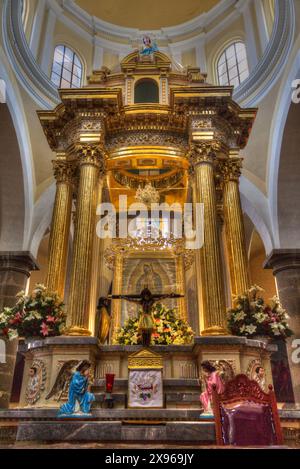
(78, 393)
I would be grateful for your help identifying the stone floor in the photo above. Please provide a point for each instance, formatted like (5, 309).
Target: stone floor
(146, 446)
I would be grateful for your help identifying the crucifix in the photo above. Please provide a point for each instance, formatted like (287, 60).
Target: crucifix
(146, 300)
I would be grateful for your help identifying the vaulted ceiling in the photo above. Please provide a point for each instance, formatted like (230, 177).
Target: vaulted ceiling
(146, 15)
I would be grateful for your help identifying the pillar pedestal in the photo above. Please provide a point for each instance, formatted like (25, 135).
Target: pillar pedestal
(15, 268)
(286, 269)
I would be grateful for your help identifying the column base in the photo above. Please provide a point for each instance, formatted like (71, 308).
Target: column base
(214, 330)
(77, 331)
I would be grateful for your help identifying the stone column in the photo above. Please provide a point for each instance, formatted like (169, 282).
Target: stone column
(234, 226)
(286, 270)
(60, 226)
(212, 313)
(15, 268)
(91, 164)
(117, 290)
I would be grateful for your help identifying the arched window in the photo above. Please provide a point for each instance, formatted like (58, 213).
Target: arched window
(232, 66)
(146, 91)
(66, 68)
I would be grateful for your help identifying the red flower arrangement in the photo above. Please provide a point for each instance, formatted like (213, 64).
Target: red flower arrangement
(37, 315)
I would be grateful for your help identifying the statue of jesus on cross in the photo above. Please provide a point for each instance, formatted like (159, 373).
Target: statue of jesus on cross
(146, 300)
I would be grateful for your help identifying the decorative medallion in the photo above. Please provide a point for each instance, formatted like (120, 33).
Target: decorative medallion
(36, 382)
(256, 372)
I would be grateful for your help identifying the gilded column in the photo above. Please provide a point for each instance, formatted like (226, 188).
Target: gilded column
(234, 226)
(91, 161)
(212, 312)
(60, 227)
(117, 290)
(180, 280)
(95, 267)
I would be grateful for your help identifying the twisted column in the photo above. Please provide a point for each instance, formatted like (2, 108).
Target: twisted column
(212, 313)
(91, 166)
(60, 226)
(234, 226)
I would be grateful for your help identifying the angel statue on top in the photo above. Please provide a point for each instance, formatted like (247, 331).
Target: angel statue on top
(74, 379)
(148, 46)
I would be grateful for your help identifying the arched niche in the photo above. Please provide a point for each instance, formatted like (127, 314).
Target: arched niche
(146, 90)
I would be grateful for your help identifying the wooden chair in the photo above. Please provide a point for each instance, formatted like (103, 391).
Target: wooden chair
(245, 415)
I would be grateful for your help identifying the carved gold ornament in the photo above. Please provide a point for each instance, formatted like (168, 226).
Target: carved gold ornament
(145, 359)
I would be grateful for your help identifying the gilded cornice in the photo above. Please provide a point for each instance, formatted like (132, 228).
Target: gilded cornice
(97, 115)
(147, 117)
(124, 138)
(82, 111)
(215, 102)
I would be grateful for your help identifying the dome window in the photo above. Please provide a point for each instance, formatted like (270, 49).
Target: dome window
(232, 66)
(66, 68)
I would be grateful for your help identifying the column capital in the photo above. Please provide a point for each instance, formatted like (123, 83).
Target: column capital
(282, 259)
(91, 154)
(203, 152)
(64, 171)
(18, 261)
(231, 169)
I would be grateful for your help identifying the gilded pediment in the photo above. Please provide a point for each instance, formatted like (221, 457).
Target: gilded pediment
(145, 358)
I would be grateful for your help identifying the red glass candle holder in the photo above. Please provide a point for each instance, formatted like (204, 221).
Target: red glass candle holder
(109, 377)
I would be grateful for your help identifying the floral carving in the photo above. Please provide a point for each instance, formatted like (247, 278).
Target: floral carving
(231, 169)
(63, 171)
(203, 152)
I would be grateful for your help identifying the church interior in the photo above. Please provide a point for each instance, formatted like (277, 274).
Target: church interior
(149, 220)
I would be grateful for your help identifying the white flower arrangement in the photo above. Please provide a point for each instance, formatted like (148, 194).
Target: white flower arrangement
(250, 316)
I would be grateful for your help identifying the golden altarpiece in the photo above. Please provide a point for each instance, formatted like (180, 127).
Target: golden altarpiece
(185, 145)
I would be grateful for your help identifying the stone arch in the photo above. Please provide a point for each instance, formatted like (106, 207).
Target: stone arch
(276, 151)
(255, 206)
(288, 182)
(12, 200)
(16, 172)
